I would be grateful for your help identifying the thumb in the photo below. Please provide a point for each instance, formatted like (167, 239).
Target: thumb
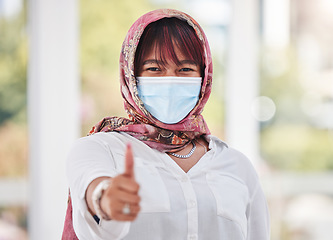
(129, 161)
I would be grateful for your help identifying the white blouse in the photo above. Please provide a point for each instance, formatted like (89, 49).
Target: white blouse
(220, 197)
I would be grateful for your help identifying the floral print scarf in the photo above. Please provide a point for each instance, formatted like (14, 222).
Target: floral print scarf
(141, 124)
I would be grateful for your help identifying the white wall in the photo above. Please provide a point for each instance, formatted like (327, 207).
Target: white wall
(53, 110)
(242, 129)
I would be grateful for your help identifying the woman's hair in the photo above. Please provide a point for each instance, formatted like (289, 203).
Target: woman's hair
(166, 34)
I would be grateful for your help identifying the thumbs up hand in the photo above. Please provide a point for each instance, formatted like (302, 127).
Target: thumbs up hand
(120, 201)
(129, 162)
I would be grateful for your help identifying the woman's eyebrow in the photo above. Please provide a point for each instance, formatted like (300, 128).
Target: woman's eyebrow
(150, 61)
(192, 62)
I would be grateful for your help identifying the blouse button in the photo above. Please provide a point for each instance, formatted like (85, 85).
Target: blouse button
(193, 237)
(183, 179)
(191, 204)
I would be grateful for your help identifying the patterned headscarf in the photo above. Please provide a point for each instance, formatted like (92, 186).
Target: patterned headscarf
(141, 124)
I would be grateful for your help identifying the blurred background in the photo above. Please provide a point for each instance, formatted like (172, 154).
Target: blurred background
(288, 91)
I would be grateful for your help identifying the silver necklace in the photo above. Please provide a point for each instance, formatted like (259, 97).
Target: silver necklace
(187, 155)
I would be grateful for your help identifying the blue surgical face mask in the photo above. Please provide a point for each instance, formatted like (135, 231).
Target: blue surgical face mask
(169, 99)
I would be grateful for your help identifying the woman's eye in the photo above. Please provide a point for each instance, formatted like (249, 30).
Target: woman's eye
(153, 69)
(186, 70)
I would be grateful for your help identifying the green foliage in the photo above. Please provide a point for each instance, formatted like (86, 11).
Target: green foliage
(289, 142)
(104, 24)
(280, 82)
(297, 147)
(13, 149)
(13, 61)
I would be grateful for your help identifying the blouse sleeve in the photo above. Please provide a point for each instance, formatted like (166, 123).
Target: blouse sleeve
(258, 216)
(88, 160)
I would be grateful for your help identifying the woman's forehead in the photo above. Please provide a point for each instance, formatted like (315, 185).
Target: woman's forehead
(159, 52)
(163, 56)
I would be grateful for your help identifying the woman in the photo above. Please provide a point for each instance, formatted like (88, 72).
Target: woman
(160, 174)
